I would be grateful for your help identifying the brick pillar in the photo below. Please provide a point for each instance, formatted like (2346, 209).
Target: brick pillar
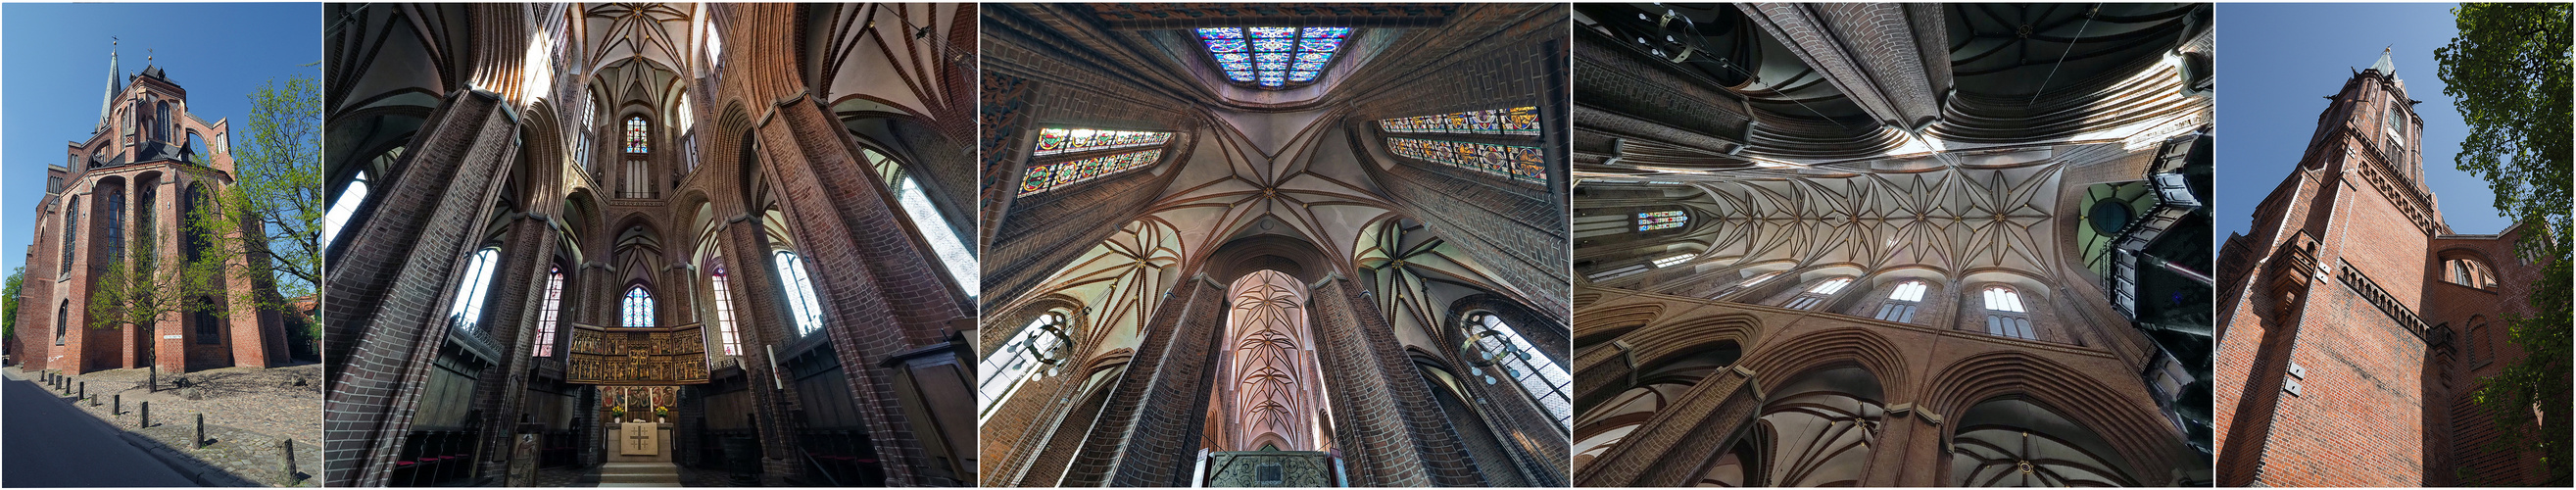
(760, 314)
(1679, 441)
(1390, 430)
(1908, 440)
(525, 254)
(1163, 394)
(586, 423)
(385, 317)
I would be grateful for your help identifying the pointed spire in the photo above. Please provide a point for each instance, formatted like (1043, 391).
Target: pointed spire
(2385, 68)
(106, 102)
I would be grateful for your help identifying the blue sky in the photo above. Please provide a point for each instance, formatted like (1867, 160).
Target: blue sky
(53, 72)
(2278, 62)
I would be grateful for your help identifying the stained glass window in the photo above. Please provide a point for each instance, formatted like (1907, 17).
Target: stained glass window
(635, 135)
(803, 307)
(1273, 57)
(724, 315)
(1027, 355)
(546, 311)
(1522, 365)
(468, 309)
(1053, 141)
(639, 307)
(1519, 163)
(1517, 121)
(1660, 220)
(1047, 177)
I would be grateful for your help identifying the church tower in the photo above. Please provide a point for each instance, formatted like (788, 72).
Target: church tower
(122, 196)
(2359, 320)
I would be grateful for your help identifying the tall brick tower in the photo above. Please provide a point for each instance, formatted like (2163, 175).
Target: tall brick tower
(124, 194)
(2353, 322)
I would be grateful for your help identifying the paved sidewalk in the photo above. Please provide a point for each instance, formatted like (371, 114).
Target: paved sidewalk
(50, 444)
(248, 410)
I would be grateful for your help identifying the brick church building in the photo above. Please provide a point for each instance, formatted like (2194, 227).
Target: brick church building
(123, 196)
(2354, 324)
(625, 239)
(1888, 245)
(1274, 245)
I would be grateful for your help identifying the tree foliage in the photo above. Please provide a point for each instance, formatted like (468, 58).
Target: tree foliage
(9, 302)
(2508, 71)
(270, 218)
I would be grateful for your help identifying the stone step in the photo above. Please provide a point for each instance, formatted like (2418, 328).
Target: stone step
(639, 475)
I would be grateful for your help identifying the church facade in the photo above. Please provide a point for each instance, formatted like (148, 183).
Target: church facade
(2355, 325)
(719, 241)
(122, 200)
(1877, 245)
(1274, 245)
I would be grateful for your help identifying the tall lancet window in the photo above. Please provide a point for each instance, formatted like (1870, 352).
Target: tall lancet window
(1819, 293)
(71, 228)
(803, 306)
(638, 307)
(724, 315)
(344, 207)
(162, 122)
(476, 282)
(688, 135)
(1273, 57)
(635, 132)
(548, 310)
(1035, 351)
(1514, 360)
(1900, 304)
(2005, 315)
(115, 224)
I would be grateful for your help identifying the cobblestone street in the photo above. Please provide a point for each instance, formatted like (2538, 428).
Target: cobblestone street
(248, 412)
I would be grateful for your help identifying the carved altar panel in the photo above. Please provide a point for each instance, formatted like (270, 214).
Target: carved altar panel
(637, 356)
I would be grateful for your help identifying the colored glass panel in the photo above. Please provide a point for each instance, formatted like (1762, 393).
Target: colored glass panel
(635, 135)
(1279, 56)
(1519, 163)
(1660, 220)
(638, 308)
(1517, 121)
(1050, 176)
(1053, 141)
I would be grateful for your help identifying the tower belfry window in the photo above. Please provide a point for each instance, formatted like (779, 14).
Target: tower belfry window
(1273, 57)
(2395, 127)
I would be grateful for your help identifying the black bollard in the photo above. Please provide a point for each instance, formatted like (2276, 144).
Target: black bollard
(146, 421)
(201, 431)
(118, 408)
(286, 453)
(85, 390)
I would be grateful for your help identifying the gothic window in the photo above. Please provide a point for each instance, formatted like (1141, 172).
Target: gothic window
(1081, 165)
(1747, 284)
(1661, 220)
(1900, 304)
(1818, 294)
(210, 326)
(2005, 315)
(145, 219)
(925, 217)
(724, 315)
(635, 132)
(802, 306)
(1517, 121)
(2395, 126)
(638, 307)
(71, 228)
(1675, 259)
(581, 142)
(1498, 346)
(1035, 351)
(547, 311)
(477, 281)
(688, 135)
(638, 182)
(1525, 164)
(1272, 57)
(2469, 273)
(115, 224)
(162, 122)
(62, 321)
(344, 207)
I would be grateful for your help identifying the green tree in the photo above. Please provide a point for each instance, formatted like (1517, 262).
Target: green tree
(2508, 71)
(267, 224)
(9, 302)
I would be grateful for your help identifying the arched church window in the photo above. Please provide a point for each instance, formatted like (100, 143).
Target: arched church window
(115, 224)
(926, 217)
(210, 326)
(638, 183)
(162, 122)
(344, 207)
(1661, 220)
(1494, 344)
(1673, 260)
(1272, 57)
(2005, 314)
(477, 282)
(1035, 351)
(62, 321)
(1747, 284)
(1901, 303)
(638, 307)
(71, 228)
(1069, 156)
(1819, 293)
(548, 310)
(2395, 126)
(803, 307)
(1519, 163)
(635, 131)
(688, 135)
(724, 315)
(146, 219)
(1517, 121)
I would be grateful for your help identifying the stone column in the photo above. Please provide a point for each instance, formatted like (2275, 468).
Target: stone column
(1678, 442)
(1133, 443)
(1391, 430)
(760, 313)
(514, 304)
